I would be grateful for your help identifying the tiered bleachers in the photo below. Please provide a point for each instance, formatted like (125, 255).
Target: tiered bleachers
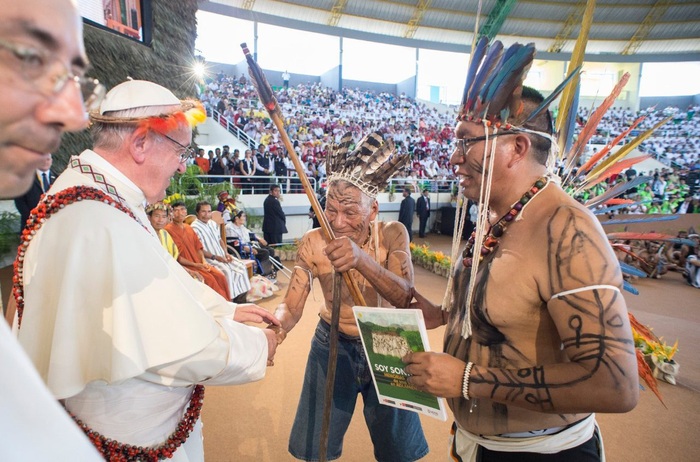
(317, 116)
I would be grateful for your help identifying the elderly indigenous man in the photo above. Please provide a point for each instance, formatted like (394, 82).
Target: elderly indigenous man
(42, 67)
(191, 251)
(214, 249)
(538, 337)
(116, 327)
(377, 257)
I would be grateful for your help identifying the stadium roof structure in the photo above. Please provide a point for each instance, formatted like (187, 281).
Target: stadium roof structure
(622, 30)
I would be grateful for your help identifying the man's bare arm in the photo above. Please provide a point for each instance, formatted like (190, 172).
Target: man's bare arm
(187, 263)
(433, 315)
(590, 316)
(289, 312)
(202, 257)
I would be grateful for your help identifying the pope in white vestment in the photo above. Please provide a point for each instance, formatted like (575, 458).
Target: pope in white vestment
(116, 328)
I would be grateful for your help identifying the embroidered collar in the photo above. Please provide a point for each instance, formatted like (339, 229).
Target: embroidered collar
(93, 165)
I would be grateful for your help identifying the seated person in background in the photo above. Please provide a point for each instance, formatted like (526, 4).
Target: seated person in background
(242, 238)
(653, 255)
(227, 206)
(191, 254)
(159, 216)
(692, 263)
(214, 252)
(677, 252)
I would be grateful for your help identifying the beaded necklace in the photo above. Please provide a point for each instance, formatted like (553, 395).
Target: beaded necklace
(120, 452)
(112, 450)
(497, 230)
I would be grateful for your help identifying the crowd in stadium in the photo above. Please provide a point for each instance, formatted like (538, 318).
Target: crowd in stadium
(676, 143)
(317, 116)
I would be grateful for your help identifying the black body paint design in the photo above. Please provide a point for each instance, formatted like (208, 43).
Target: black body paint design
(593, 339)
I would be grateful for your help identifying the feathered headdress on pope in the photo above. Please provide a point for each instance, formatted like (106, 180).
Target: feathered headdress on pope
(134, 94)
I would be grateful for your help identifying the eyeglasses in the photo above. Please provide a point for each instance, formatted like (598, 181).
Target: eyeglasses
(188, 150)
(36, 65)
(462, 143)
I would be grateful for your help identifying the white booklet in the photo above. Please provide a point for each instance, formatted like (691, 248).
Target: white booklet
(387, 335)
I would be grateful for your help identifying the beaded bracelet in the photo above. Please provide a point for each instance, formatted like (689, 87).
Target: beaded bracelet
(465, 381)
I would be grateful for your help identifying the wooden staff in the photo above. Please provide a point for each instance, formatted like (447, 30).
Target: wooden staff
(268, 99)
(330, 373)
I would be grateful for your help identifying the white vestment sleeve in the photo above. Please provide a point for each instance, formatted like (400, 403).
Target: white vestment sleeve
(245, 362)
(114, 305)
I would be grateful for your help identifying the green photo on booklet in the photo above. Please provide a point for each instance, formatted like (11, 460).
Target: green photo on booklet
(387, 335)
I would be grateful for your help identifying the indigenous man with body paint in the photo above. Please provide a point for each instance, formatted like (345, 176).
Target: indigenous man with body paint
(537, 337)
(376, 255)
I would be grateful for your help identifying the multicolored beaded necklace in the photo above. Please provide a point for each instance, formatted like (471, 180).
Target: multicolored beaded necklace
(497, 230)
(110, 449)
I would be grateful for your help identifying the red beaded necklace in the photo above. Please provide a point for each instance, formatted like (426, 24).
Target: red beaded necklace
(497, 230)
(115, 451)
(110, 449)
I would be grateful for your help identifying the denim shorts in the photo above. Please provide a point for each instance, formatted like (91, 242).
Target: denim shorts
(397, 434)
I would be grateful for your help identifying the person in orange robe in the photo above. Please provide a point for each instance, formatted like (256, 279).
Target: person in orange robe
(191, 255)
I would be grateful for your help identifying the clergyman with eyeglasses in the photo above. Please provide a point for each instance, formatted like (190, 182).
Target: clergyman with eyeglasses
(116, 327)
(42, 79)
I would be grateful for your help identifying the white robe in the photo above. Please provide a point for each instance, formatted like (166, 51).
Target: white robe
(117, 328)
(33, 426)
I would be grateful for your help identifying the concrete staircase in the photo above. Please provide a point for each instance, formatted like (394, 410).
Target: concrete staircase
(218, 131)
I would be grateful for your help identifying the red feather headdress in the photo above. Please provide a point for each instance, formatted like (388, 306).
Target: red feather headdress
(190, 113)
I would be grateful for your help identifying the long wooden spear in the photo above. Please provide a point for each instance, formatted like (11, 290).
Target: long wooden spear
(268, 99)
(270, 102)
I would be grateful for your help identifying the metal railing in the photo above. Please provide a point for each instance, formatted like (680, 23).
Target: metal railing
(418, 185)
(232, 128)
(292, 185)
(259, 184)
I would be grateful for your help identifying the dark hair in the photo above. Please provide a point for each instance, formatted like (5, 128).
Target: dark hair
(200, 205)
(239, 213)
(542, 123)
(274, 186)
(177, 204)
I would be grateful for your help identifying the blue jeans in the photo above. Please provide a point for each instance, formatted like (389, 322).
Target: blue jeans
(397, 435)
